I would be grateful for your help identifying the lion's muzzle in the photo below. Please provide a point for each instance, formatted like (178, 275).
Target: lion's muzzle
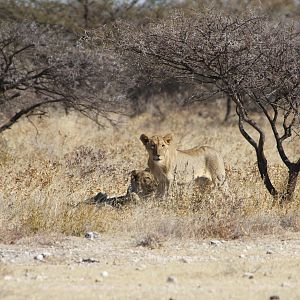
(156, 158)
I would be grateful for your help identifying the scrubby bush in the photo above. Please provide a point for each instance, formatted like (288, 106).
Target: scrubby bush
(251, 59)
(40, 66)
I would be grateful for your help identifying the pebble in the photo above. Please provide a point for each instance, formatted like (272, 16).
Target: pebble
(274, 297)
(171, 279)
(285, 284)
(39, 257)
(38, 277)
(140, 268)
(88, 260)
(8, 277)
(269, 252)
(248, 275)
(215, 242)
(91, 235)
(242, 256)
(185, 260)
(104, 274)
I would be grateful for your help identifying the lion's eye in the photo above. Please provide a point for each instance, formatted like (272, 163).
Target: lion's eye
(162, 145)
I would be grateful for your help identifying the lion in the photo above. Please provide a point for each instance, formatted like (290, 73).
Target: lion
(166, 163)
(142, 185)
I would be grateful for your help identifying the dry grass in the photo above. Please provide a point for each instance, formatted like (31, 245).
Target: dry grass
(45, 173)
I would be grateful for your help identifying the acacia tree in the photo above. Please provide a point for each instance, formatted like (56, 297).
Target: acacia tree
(40, 67)
(251, 59)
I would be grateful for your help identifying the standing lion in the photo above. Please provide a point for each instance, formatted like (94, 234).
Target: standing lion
(167, 163)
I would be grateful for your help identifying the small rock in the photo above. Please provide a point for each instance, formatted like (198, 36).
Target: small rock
(98, 280)
(46, 254)
(215, 242)
(171, 279)
(274, 297)
(89, 260)
(185, 260)
(242, 256)
(38, 277)
(104, 274)
(269, 252)
(91, 235)
(39, 257)
(140, 268)
(285, 284)
(8, 277)
(248, 275)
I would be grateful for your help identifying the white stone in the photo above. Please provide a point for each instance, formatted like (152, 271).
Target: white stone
(248, 275)
(91, 235)
(215, 242)
(104, 274)
(8, 277)
(39, 257)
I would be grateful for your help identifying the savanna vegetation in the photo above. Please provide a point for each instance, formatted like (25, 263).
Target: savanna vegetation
(80, 81)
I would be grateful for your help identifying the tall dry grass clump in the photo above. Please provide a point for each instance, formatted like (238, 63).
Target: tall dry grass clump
(46, 173)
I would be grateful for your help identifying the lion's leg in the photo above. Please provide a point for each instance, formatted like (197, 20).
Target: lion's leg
(203, 183)
(163, 188)
(221, 183)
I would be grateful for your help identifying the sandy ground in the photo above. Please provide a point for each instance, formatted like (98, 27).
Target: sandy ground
(116, 268)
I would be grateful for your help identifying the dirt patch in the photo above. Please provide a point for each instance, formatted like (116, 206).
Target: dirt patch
(116, 268)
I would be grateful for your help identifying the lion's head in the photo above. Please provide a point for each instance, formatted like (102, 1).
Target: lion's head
(142, 183)
(157, 146)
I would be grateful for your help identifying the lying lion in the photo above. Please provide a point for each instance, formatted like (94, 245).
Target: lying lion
(167, 163)
(142, 185)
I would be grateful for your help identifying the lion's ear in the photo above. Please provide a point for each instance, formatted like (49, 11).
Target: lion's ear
(144, 139)
(168, 138)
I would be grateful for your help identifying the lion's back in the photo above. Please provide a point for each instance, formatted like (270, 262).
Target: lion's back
(203, 161)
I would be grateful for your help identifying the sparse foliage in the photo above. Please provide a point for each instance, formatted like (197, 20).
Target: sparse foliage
(40, 67)
(251, 59)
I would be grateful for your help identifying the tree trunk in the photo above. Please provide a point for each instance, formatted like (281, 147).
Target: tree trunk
(86, 13)
(263, 170)
(291, 186)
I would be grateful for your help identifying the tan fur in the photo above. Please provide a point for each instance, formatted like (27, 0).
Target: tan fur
(142, 185)
(142, 182)
(166, 163)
